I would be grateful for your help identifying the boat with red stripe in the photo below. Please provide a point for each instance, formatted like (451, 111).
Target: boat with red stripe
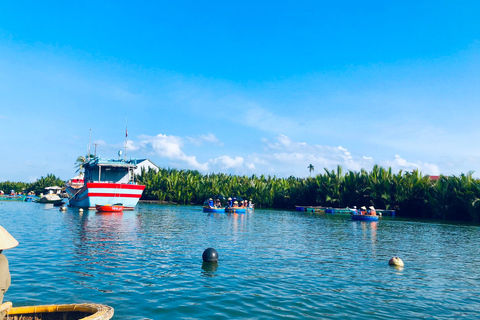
(105, 181)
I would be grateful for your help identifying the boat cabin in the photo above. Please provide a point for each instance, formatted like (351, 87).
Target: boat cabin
(110, 171)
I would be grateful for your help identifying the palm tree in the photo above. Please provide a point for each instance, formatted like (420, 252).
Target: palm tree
(81, 160)
(311, 168)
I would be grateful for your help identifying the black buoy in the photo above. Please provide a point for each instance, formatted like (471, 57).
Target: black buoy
(210, 255)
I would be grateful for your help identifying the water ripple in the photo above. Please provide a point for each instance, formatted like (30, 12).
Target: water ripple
(272, 264)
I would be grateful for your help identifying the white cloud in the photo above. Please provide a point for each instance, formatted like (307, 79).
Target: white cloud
(170, 147)
(401, 164)
(131, 146)
(199, 140)
(227, 162)
(281, 157)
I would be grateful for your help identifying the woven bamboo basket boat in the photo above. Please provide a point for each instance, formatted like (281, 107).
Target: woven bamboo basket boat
(83, 311)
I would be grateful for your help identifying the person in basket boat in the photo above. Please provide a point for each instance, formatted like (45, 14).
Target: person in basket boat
(372, 211)
(363, 210)
(7, 241)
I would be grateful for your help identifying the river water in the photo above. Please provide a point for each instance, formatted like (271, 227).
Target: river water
(147, 264)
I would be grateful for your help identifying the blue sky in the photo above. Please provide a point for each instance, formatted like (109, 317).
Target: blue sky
(240, 87)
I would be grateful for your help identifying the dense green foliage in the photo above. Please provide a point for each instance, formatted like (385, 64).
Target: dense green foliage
(409, 193)
(38, 186)
(7, 186)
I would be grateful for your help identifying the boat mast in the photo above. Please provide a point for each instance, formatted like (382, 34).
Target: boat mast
(89, 141)
(126, 135)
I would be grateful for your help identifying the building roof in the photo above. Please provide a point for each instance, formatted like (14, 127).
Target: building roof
(139, 161)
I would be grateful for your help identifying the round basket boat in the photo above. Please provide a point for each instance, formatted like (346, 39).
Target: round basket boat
(359, 217)
(83, 311)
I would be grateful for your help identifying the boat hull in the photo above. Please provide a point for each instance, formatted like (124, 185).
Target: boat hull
(215, 210)
(93, 193)
(360, 217)
(235, 210)
(62, 311)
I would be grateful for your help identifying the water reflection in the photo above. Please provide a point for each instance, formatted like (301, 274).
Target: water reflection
(209, 269)
(368, 232)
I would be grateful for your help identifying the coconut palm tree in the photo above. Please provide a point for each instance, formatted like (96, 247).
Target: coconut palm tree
(81, 160)
(311, 168)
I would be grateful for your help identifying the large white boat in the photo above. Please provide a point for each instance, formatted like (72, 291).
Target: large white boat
(105, 182)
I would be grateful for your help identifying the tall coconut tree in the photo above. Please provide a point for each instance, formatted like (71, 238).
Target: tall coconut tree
(311, 168)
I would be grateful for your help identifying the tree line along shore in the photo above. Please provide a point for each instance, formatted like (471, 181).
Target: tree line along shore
(410, 194)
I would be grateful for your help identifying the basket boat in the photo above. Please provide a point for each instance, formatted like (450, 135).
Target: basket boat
(82, 311)
(235, 209)
(359, 217)
(213, 209)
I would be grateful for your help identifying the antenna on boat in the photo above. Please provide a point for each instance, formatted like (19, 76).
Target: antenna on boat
(96, 144)
(126, 135)
(89, 141)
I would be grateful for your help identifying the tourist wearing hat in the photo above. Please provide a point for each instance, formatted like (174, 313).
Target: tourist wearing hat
(7, 241)
(363, 210)
(372, 211)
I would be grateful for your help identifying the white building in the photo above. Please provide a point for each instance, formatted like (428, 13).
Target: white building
(145, 163)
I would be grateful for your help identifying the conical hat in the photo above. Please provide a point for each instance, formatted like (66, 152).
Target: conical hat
(7, 241)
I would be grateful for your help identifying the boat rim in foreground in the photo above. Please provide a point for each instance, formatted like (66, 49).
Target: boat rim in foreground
(94, 311)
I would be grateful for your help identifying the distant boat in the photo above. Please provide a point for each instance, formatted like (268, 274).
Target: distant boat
(31, 198)
(105, 181)
(215, 206)
(317, 209)
(364, 217)
(7, 197)
(82, 311)
(50, 198)
(118, 207)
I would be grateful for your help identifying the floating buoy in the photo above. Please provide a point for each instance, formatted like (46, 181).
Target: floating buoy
(210, 255)
(80, 210)
(396, 261)
(63, 208)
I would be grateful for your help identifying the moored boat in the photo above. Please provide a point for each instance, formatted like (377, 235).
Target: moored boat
(105, 181)
(49, 198)
(17, 197)
(81, 311)
(364, 217)
(316, 209)
(118, 207)
(215, 206)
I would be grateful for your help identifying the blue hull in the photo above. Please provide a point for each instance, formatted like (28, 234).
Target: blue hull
(215, 210)
(235, 210)
(359, 217)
